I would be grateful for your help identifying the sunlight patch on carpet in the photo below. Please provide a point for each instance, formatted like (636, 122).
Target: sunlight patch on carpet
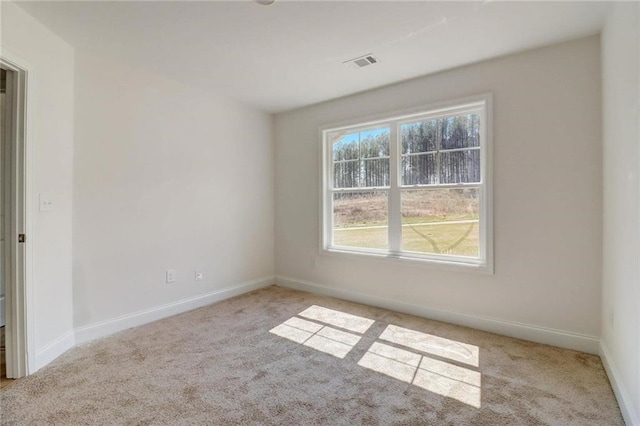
(434, 345)
(291, 333)
(442, 378)
(394, 363)
(445, 386)
(324, 329)
(322, 337)
(338, 319)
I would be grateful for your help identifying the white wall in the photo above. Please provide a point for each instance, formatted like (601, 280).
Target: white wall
(50, 139)
(548, 201)
(621, 274)
(166, 177)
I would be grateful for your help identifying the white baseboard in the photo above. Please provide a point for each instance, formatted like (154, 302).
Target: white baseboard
(53, 350)
(549, 336)
(631, 418)
(104, 328)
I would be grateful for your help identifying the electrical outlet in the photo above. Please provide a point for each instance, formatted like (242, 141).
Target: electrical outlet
(198, 276)
(171, 276)
(46, 203)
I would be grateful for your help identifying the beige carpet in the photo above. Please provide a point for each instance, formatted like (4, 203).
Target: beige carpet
(283, 357)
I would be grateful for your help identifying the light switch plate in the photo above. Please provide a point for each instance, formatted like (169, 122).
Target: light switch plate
(46, 203)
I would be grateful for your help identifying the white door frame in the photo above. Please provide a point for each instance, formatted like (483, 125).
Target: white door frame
(18, 288)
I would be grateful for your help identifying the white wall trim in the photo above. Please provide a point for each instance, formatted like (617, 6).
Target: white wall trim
(53, 350)
(549, 336)
(96, 330)
(631, 418)
(2, 310)
(25, 344)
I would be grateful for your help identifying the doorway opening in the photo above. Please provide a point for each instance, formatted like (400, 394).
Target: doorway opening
(13, 300)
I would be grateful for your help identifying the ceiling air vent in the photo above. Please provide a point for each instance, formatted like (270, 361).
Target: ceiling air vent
(362, 61)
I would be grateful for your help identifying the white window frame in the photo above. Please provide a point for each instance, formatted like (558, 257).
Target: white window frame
(484, 262)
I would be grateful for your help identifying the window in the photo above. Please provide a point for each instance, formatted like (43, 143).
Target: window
(413, 186)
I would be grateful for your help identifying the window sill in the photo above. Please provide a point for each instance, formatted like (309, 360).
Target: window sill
(459, 264)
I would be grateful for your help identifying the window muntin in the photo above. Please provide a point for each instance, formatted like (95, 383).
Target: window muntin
(430, 171)
(441, 150)
(360, 158)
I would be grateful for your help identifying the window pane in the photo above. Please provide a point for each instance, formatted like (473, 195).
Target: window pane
(375, 143)
(361, 159)
(460, 131)
(441, 221)
(346, 174)
(419, 136)
(419, 169)
(345, 147)
(460, 166)
(360, 220)
(375, 172)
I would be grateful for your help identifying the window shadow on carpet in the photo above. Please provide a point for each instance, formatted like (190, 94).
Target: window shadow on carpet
(405, 355)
